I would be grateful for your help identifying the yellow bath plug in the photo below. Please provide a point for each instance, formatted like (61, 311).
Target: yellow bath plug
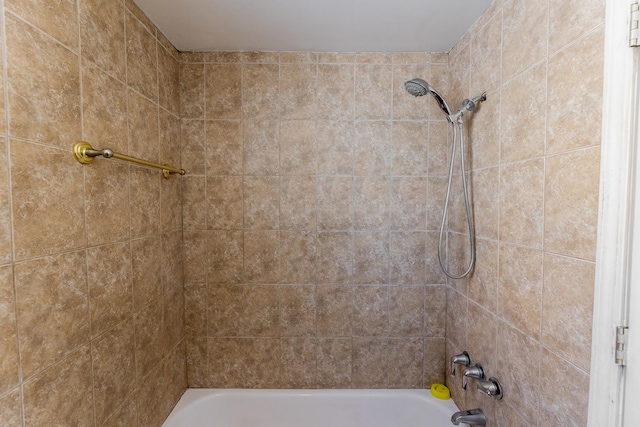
(440, 391)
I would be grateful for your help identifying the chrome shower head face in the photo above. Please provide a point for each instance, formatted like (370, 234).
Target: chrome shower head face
(417, 87)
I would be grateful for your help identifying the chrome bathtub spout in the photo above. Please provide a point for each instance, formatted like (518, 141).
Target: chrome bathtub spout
(473, 417)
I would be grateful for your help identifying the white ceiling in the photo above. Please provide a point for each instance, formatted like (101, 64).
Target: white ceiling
(314, 25)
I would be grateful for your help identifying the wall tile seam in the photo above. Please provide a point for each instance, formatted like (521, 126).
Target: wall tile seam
(50, 37)
(487, 18)
(152, 30)
(585, 34)
(575, 150)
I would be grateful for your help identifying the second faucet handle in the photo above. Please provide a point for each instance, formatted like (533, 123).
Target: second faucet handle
(476, 371)
(459, 359)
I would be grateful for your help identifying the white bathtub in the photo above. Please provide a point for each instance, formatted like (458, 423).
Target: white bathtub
(310, 408)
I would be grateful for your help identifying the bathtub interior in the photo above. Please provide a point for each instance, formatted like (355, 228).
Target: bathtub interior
(310, 408)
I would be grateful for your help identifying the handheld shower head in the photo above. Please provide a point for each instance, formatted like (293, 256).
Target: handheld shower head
(419, 87)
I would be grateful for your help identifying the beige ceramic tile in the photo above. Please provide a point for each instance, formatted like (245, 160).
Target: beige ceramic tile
(486, 55)
(193, 146)
(409, 148)
(260, 89)
(226, 362)
(223, 306)
(371, 199)
(486, 196)
(435, 302)
(260, 311)
(522, 134)
(436, 192)
(219, 57)
(456, 318)
(406, 257)
(146, 261)
(373, 58)
(260, 57)
(104, 110)
(334, 363)
(335, 91)
(223, 147)
(297, 310)
(434, 274)
(336, 58)
(522, 388)
(335, 203)
(261, 147)
(459, 77)
(5, 205)
(172, 261)
(133, 8)
(583, 16)
(224, 255)
(142, 61)
(371, 257)
(571, 203)
(148, 325)
(223, 88)
(298, 57)
(524, 32)
(406, 360)
(150, 398)
(192, 102)
(113, 364)
(145, 201)
(297, 147)
(11, 412)
(298, 202)
(169, 138)
(298, 257)
(521, 207)
(406, 311)
(372, 149)
(195, 306)
(143, 119)
(62, 394)
(107, 202)
(298, 91)
(9, 362)
(335, 140)
(52, 320)
(334, 305)
(224, 207)
(482, 338)
(168, 81)
(575, 81)
(110, 294)
(298, 362)
(373, 92)
(520, 288)
(262, 362)
(434, 359)
(58, 19)
(44, 96)
(483, 281)
(567, 403)
(102, 35)
(370, 367)
(198, 372)
(261, 202)
(335, 257)
(567, 308)
(440, 140)
(411, 58)
(408, 203)
(484, 136)
(370, 310)
(194, 205)
(195, 256)
(126, 415)
(261, 256)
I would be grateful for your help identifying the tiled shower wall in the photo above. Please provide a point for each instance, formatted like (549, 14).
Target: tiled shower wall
(526, 311)
(309, 215)
(91, 313)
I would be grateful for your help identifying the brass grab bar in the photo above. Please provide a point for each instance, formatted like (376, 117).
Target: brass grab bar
(85, 153)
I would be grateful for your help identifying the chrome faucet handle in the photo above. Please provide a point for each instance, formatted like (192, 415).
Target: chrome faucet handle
(491, 387)
(476, 371)
(459, 359)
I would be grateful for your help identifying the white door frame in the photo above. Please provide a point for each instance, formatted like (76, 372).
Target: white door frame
(614, 255)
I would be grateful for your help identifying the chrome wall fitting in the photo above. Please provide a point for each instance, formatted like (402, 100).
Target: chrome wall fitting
(459, 359)
(491, 387)
(476, 371)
